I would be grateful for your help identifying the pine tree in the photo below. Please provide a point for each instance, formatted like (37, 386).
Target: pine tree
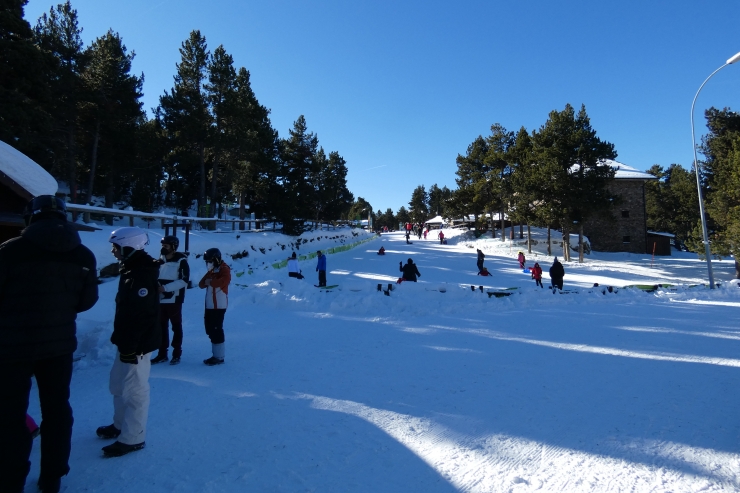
(24, 91)
(220, 93)
(58, 35)
(403, 216)
(255, 165)
(186, 120)
(297, 166)
(110, 112)
(471, 195)
(495, 188)
(570, 154)
(721, 147)
(418, 205)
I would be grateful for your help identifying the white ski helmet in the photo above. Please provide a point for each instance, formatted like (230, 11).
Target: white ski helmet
(133, 237)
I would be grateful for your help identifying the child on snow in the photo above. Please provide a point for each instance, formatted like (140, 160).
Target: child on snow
(484, 272)
(381, 251)
(521, 259)
(537, 275)
(216, 283)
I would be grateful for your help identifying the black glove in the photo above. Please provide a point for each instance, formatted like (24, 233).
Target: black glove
(131, 359)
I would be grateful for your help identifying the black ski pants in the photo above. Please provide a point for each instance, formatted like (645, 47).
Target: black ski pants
(322, 278)
(171, 312)
(214, 322)
(53, 376)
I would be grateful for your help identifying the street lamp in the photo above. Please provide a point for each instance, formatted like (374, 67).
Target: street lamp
(707, 252)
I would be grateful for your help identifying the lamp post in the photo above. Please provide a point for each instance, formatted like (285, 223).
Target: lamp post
(707, 251)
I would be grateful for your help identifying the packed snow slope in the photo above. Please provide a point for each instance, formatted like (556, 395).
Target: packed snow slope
(353, 391)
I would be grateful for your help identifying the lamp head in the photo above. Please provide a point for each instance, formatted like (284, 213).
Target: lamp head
(734, 59)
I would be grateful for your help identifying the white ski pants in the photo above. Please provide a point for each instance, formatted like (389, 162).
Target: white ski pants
(129, 385)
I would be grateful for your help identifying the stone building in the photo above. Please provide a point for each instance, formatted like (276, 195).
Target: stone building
(626, 230)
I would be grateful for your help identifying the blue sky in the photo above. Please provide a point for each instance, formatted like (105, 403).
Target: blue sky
(400, 88)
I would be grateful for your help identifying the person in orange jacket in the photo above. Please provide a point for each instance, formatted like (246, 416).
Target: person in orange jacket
(537, 275)
(216, 283)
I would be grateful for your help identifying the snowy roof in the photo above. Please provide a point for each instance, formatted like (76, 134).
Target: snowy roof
(625, 172)
(658, 233)
(22, 175)
(435, 220)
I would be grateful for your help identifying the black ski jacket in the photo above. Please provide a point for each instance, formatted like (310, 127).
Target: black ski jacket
(46, 278)
(410, 272)
(136, 324)
(557, 272)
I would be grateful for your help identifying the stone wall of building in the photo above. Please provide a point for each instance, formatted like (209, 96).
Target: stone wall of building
(627, 229)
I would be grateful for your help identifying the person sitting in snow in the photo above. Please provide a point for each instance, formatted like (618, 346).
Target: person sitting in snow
(521, 259)
(410, 271)
(293, 269)
(381, 251)
(216, 283)
(537, 275)
(484, 272)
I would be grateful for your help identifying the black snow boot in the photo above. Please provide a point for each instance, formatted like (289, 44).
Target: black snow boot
(213, 361)
(108, 432)
(160, 358)
(175, 360)
(117, 449)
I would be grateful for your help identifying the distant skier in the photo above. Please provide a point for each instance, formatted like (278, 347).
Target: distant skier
(321, 268)
(410, 271)
(537, 275)
(481, 256)
(522, 260)
(293, 269)
(408, 236)
(419, 231)
(216, 283)
(441, 237)
(557, 273)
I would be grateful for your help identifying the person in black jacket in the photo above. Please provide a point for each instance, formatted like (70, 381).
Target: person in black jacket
(556, 274)
(481, 256)
(46, 278)
(410, 272)
(136, 333)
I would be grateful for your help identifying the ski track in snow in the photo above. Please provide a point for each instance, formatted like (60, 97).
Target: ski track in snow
(351, 390)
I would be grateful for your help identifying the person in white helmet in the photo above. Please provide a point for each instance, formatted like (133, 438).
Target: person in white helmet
(136, 333)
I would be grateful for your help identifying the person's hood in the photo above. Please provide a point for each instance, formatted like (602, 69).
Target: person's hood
(53, 235)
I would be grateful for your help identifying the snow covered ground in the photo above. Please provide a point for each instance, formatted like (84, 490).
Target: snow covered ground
(423, 390)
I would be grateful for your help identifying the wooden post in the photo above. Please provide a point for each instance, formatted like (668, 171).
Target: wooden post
(187, 236)
(174, 226)
(131, 220)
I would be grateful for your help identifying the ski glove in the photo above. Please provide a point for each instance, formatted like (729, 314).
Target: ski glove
(129, 358)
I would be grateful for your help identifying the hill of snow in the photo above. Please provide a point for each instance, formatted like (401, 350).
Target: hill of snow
(435, 387)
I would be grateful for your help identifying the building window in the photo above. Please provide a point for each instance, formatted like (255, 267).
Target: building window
(625, 239)
(625, 213)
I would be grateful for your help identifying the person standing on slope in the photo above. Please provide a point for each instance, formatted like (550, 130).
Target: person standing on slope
(522, 260)
(557, 272)
(47, 277)
(174, 275)
(410, 271)
(481, 256)
(537, 275)
(441, 237)
(216, 283)
(136, 333)
(321, 268)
